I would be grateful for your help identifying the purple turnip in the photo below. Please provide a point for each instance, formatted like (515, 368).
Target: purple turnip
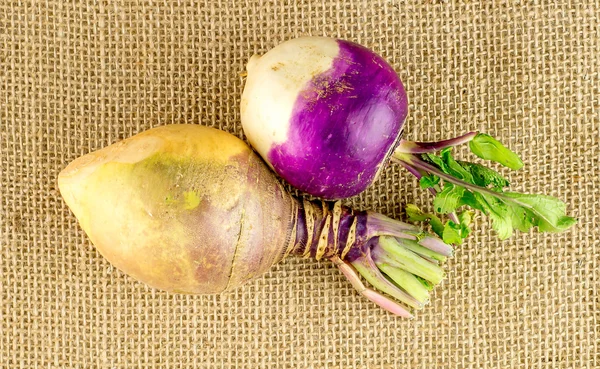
(192, 209)
(327, 115)
(324, 113)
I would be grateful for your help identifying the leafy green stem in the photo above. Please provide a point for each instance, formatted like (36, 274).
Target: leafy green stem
(460, 183)
(414, 171)
(414, 161)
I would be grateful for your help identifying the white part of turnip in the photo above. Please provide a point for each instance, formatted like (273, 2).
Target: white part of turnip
(281, 75)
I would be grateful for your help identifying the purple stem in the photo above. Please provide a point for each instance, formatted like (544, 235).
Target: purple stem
(437, 245)
(414, 171)
(414, 147)
(415, 161)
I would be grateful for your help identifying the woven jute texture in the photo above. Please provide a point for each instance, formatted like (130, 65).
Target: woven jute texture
(77, 76)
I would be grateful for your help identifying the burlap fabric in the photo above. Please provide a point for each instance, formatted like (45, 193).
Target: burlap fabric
(76, 76)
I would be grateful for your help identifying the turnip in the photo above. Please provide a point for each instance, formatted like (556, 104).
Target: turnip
(327, 115)
(192, 209)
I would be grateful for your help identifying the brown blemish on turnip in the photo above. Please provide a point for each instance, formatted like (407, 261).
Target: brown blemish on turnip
(277, 66)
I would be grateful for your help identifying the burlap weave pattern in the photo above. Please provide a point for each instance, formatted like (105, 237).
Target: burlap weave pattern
(78, 75)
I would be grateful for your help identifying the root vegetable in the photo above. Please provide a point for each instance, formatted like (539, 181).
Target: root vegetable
(192, 209)
(324, 113)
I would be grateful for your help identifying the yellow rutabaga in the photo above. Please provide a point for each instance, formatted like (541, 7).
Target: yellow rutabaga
(192, 209)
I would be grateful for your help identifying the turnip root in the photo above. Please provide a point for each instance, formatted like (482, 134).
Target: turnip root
(192, 209)
(327, 115)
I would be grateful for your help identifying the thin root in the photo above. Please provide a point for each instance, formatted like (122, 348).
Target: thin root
(353, 277)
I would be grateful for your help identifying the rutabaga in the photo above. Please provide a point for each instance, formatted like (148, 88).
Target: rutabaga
(192, 209)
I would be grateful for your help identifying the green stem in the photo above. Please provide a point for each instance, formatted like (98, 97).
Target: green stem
(368, 269)
(414, 171)
(423, 251)
(409, 261)
(406, 281)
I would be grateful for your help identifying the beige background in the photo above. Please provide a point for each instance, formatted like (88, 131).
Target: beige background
(76, 76)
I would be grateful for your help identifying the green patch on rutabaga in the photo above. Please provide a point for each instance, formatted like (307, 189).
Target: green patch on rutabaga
(191, 200)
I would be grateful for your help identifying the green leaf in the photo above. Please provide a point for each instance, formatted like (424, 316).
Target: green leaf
(417, 215)
(447, 200)
(481, 188)
(452, 233)
(436, 225)
(522, 219)
(512, 210)
(435, 160)
(546, 212)
(471, 201)
(502, 225)
(465, 218)
(488, 148)
(454, 168)
(484, 176)
(498, 212)
(429, 181)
